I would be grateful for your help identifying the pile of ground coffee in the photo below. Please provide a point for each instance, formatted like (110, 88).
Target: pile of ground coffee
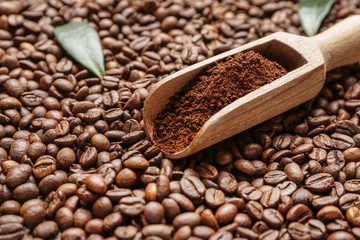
(215, 87)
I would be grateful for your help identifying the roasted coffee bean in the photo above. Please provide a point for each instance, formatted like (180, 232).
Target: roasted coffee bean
(11, 227)
(294, 173)
(270, 198)
(320, 202)
(352, 186)
(349, 200)
(33, 212)
(269, 234)
(273, 217)
(46, 230)
(319, 182)
(329, 213)
(227, 182)
(25, 192)
(111, 221)
(160, 230)
(247, 233)
(245, 166)
(192, 187)
(254, 209)
(10, 207)
(226, 213)
(214, 197)
(299, 231)
(81, 217)
(352, 216)
(300, 213)
(207, 171)
(154, 212)
(96, 183)
(131, 206)
(64, 218)
(184, 203)
(73, 232)
(287, 188)
(341, 235)
(317, 228)
(191, 219)
(275, 177)
(44, 166)
(18, 175)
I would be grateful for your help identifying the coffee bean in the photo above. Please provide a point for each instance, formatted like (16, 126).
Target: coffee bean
(102, 207)
(319, 182)
(317, 229)
(88, 158)
(286, 188)
(154, 212)
(294, 173)
(247, 233)
(163, 187)
(299, 231)
(207, 171)
(226, 213)
(81, 217)
(189, 218)
(352, 216)
(10, 207)
(251, 194)
(336, 157)
(111, 221)
(329, 213)
(131, 206)
(96, 183)
(341, 235)
(33, 212)
(25, 192)
(300, 213)
(275, 177)
(320, 202)
(136, 162)
(273, 217)
(349, 200)
(183, 202)
(192, 187)
(125, 178)
(18, 175)
(73, 232)
(214, 197)
(269, 234)
(44, 166)
(245, 166)
(303, 196)
(352, 186)
(270, 198)
(64, 218)
(323, 141)
(255, 210)
(46, 230)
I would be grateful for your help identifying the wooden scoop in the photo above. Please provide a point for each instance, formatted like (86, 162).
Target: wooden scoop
(306, 59)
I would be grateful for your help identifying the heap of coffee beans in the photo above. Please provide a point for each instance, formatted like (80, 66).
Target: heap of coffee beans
(76, 163)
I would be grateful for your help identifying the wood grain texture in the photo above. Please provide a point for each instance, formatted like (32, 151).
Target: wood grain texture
(340, 44)
(303, 58)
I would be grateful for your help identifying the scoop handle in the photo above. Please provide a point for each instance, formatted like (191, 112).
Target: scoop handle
(340, 44)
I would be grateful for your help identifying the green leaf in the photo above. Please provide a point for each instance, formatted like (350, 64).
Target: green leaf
(82, 42)
(312, 13)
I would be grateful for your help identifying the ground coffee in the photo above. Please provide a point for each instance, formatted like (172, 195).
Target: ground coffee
(215, 87)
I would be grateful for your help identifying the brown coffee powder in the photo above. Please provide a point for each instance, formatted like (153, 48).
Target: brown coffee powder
(215, 87)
